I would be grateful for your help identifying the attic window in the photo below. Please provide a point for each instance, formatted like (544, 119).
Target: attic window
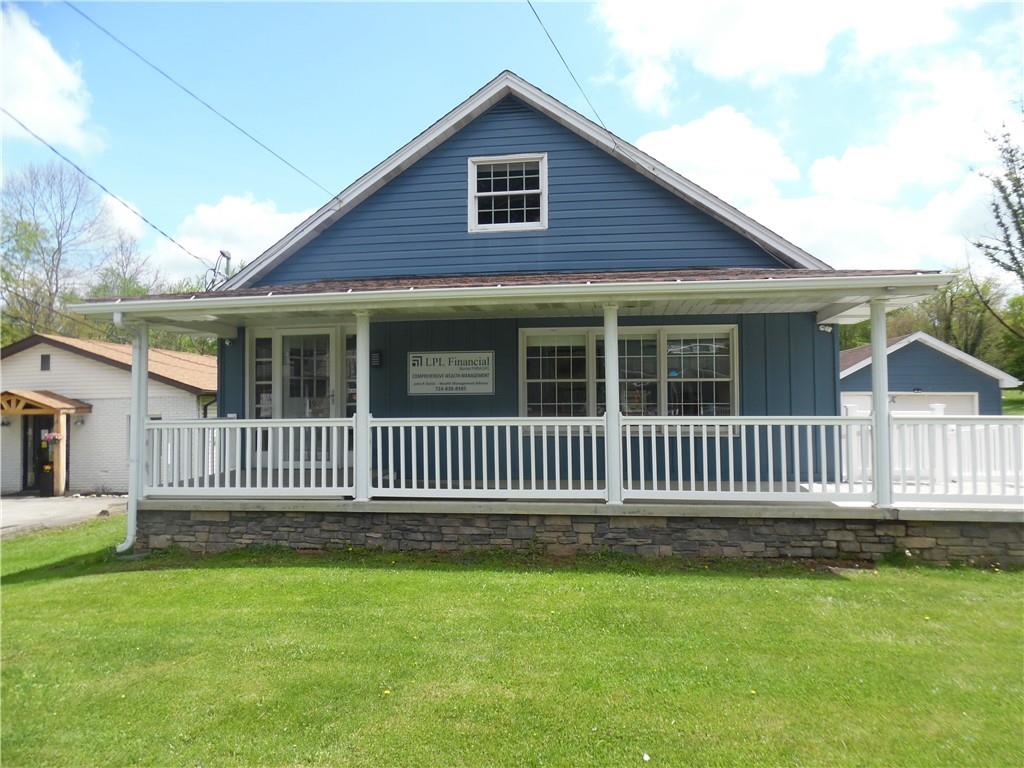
(508, 193)
(44, 362)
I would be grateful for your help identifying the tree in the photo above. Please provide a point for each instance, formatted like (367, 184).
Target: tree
(1006, 249)
(54, 225)
(956, 314)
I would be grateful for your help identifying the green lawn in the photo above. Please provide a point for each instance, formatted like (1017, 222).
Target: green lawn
(381, 660)
(1013, 402)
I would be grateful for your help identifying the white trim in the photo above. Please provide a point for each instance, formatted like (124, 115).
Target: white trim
(1006, 381)
(913, 287)
(509, 84)
(593, 333)
(473, 195)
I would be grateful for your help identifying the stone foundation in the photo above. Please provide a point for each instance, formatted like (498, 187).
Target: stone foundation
(648, 535)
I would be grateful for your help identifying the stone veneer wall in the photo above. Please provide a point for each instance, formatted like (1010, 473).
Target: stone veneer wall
(208, 532)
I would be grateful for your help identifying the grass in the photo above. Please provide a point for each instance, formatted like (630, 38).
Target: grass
(1013, 402)
(356, 658)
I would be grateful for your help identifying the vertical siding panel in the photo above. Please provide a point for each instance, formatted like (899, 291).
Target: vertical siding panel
(777, 365)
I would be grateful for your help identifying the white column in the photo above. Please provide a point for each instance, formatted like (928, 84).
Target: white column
(362, 431)
(880, 404)
(137, 433)
(613, 429)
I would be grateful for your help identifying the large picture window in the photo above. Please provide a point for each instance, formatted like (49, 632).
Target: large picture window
(556, 375)
(508, 193)
(668, 371)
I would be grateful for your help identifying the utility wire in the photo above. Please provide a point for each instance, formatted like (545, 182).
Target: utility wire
(78, 168)
(566, 63)
(55, 311)
(191, 93)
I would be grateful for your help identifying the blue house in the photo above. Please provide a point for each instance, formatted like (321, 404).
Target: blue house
(926, 374)
(438, 333)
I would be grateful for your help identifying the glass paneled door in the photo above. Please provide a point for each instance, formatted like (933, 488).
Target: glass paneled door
(308, 392)
(307, 376)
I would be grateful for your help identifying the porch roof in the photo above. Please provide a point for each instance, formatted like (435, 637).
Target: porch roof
(837, 296)
(29, 401)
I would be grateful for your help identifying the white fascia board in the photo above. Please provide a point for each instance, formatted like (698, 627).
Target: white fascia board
(1006, 381)
(496, 295)
(503, 85)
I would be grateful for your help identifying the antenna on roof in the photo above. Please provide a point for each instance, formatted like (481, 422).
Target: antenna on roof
(215, 276)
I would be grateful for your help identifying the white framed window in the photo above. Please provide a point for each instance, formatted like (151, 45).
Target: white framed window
(508, 193)
(663, 371)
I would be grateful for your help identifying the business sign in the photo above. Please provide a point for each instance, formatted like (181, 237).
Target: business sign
(451, 373)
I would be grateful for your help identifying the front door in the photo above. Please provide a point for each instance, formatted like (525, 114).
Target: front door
(307, 376)
(35, 450)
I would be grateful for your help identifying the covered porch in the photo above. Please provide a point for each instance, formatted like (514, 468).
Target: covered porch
(306, 371)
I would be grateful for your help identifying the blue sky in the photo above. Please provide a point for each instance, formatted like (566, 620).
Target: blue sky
(856, 132)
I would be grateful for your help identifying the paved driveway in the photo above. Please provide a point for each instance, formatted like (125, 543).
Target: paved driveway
(21, 514)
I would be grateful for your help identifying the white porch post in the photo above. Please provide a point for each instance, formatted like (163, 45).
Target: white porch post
(613, 430)
(362, 431)
(137, 433)
(880, 404)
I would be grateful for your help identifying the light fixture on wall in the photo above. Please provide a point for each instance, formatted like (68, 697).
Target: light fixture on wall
(5, 422)
(79, 421)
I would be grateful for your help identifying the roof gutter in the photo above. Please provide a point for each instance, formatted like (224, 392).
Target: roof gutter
(501, 294)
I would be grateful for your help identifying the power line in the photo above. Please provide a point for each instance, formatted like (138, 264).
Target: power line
(55, 311)
(566, 63)
(78, 168)
(195, 96)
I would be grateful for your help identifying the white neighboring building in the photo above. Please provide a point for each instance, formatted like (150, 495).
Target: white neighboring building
(81, 388)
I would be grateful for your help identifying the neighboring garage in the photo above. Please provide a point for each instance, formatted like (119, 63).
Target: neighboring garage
(925, 375)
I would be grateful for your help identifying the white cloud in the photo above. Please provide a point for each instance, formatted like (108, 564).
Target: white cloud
(42, 89)
(760, 41)
(939, 134)
(911, 200)
(239, 224)
(744, 164)
(122, 219)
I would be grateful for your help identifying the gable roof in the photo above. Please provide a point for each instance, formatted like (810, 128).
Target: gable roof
(853, 360)
(504, 85)
(185, 370)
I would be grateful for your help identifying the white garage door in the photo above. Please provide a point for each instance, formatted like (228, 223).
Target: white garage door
(956, 403)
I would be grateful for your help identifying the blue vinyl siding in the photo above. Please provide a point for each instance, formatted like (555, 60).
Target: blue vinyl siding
(919, 367)
(231, 395)
(769, 384)
(602, 215)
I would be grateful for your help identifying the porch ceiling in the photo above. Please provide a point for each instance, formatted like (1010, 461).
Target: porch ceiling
(836, 297)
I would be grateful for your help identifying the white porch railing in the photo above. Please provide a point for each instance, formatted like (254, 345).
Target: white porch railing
(754, 458)
(249, 457)
(488, 458)
(958, 458)
(773, 458)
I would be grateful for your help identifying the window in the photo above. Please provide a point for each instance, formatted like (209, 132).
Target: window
(699, 375)
(263, 378)
(508, 193)
(638, 375)
(556, 375)
(350, 375)
(671, 371)
(44, 362)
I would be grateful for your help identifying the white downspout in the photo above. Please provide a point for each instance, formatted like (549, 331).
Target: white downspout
(137, 433)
